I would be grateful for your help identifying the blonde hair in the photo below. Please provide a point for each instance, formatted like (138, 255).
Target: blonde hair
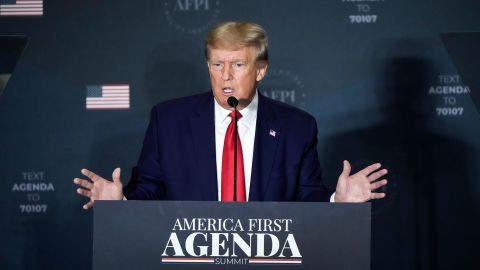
(235, 35)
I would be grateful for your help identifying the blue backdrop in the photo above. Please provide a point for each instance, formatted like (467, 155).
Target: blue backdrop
(374, 73)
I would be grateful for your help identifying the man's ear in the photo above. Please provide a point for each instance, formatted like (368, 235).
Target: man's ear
(261, 71)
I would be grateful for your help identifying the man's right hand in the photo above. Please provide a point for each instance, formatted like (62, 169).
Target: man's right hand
(99, 188)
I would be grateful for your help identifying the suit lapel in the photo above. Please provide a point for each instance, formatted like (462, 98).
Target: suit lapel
(202, 126)
(266, 139)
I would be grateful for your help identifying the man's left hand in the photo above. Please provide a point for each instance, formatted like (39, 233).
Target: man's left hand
(359, 187)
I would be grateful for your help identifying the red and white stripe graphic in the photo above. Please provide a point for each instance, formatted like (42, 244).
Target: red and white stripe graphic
(250, 261)
(111, 97)
(275, 261)
(188, 260)
(22, 8)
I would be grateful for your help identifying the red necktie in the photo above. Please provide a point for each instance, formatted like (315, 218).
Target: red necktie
(227, 164)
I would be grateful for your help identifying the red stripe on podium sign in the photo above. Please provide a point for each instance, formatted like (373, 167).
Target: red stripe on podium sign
(111, 96)
(188, 260)
(275, 261)
(21, 8)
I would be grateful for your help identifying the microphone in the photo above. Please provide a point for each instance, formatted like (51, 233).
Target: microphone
(233, 102)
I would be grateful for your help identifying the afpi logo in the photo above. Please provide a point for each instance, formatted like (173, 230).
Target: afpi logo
(232, 242)
(284, 86)
(191, 16)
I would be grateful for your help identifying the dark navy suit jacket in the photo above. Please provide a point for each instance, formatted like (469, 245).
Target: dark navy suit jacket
(177, 161)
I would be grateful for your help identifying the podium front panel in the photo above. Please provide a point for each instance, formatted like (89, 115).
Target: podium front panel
(148, 235)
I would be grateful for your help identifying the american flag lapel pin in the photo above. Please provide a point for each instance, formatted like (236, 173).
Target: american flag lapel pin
(272, 133)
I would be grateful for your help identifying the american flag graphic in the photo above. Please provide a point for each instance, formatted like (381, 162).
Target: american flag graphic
(21, 7)
(112, 96)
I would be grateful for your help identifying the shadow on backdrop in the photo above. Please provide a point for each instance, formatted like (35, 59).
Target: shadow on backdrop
(423, 222)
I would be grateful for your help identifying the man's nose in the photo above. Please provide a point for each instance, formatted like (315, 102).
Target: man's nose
(227, 73)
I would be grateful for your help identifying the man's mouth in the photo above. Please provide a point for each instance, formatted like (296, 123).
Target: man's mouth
(227, 90)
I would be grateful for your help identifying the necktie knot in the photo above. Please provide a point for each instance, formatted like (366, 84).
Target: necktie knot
(232, 115)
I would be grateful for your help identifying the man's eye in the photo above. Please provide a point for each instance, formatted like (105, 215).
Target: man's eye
(238, 65)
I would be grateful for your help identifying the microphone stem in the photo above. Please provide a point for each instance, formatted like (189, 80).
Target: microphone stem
(235, 157)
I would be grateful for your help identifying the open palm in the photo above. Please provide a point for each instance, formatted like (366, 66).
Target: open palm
(360, 187)
(99, 188)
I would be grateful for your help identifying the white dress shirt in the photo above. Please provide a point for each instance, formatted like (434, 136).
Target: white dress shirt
(246, 133)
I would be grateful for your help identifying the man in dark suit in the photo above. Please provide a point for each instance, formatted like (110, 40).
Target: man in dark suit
(188, 147)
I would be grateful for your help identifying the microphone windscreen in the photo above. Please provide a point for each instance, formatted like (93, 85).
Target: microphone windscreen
(232, 101)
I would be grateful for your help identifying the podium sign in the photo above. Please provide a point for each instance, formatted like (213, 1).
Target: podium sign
(144, 235)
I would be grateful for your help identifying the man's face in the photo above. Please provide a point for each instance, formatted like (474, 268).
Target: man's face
(234, 73)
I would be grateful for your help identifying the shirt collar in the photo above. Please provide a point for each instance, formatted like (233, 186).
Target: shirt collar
(249, 113)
